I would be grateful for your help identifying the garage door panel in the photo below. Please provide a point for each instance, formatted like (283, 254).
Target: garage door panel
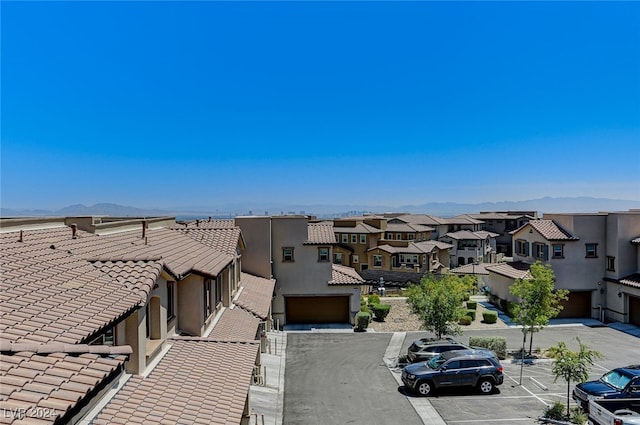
(578, 305)
(317, 309)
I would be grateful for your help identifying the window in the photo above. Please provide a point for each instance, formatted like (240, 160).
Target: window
(558, 251)
(398, 236)
(171, 287)
(611, 263)
(377, 261)
(411, 236)
(363, 239)
(540, 251)
(355, 259)
(522, 248)
(354, 238)
(323, 254)
(218, 295)
(591, 250)
(388, 236)
(106, 338)
(337, 258)
(345, 238)
(208, 309)
(337, 237)
(287, 255)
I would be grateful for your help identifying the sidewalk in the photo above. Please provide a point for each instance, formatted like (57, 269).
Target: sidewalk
(266, 398)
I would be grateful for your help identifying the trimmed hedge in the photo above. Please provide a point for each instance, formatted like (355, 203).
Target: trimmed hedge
(472, 305)
(465, 320)
(380, 311)
(362, 321)
(489, 316)
(373, 300)
(497, 344)
(472, 314)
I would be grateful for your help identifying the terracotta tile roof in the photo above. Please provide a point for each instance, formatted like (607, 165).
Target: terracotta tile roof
(429, 246)
(549, 230)
(37, 376)
(51, 295)
(408, 227)
(463, 219)
(471, 269)
(514, 270)
(342, 275)
(320, 234)
(358, 228)
(465, 234)
(427, 220)
(632, 280)
(181, 254)
(256, 294)
(210, 224)
(235, 324)
(198, 381)
(485, 234)
(223, 239)
(139, 276)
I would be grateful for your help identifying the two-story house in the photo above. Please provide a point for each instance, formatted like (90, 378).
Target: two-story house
(593, 255)
(471, 247)
(310, 288)
(503, 223)
(127, 288)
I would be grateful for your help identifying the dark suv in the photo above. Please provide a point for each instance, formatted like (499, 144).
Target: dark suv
(427, 348)
(623, 382)
(458, 368)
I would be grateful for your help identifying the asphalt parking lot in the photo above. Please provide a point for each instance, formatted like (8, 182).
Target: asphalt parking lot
(342, 378)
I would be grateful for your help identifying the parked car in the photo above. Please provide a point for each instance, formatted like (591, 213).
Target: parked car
(427, 348)
(616, 411)
(623, 382)
(456, 368)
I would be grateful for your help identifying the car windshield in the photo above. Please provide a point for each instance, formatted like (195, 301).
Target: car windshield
(435, 362)
(616, 379)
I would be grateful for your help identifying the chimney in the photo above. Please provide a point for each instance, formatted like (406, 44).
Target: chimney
(209, 219)
(144, 230)
(197, 223)
(74, 231)
(21, 237)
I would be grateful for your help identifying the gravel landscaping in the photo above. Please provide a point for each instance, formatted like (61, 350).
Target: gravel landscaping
(401, 319)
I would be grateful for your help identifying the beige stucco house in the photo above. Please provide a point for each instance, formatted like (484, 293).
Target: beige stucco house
(298, 255)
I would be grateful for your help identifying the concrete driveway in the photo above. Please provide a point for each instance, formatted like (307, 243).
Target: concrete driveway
(341, 378)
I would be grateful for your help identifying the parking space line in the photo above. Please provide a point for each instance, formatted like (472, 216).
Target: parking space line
(527, 390)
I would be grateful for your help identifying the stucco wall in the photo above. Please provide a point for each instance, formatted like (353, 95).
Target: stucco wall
(256, 257)
(190, 307)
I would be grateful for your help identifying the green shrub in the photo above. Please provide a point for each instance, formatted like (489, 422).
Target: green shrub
(509, 308)
(555, 411)
(578, 416)
(472, 305)
(380, 311)
(472, 314)
(489, 316)
(465, 320)
(497, 344)
(466, 297)
(373, 300)
(362, 321)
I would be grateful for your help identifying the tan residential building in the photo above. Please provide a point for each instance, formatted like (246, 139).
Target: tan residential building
(128, 290)
(503, 223)
(298, 254)
(594, 256)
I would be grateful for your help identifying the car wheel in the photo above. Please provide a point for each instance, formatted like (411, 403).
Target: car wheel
(486, 386)
(425, 388)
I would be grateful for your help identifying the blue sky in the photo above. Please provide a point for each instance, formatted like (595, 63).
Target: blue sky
(162, 104)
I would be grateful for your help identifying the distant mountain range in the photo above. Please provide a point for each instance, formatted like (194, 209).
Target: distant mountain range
(440, 209)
